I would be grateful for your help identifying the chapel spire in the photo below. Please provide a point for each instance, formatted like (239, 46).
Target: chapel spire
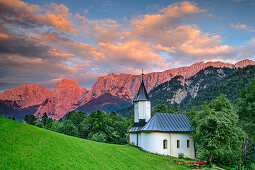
(142, 94)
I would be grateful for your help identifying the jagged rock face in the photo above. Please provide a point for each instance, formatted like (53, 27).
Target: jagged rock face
(27, 95)
(64, 98)
(179, 90)
(178, 97)
(244, 63)
(127, 84)
(68, 96)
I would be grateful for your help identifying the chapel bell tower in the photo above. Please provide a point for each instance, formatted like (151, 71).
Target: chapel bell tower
(142, 105)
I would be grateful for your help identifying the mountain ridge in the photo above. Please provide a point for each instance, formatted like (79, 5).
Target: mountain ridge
(68, 95)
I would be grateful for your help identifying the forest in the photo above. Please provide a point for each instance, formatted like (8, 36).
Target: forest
(224, 130)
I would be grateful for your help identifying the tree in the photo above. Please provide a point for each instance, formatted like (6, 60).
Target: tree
(48, 124)
(216, 129)
(68, 128)
(99, 137)
(159, 108)
(76, 117)
(164, 109)
(30, 119)
(55, 125)
(245, 106)
(44, 118)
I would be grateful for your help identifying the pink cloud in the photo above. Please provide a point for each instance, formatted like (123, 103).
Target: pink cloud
(37, 44)
(242, 27)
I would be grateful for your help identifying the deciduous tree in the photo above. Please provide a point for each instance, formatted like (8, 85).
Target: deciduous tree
(216, 128)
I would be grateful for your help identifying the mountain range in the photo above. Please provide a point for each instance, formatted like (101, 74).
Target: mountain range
(113, 91)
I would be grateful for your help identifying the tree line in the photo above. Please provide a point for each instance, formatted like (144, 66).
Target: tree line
(98, 126)
(224, 133)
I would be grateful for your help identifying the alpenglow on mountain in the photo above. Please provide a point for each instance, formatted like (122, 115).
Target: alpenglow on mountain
(110, 92)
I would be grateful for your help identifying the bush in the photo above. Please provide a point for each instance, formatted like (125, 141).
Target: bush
(180, 155)
(99, 137)
(55, 125)
(30, 119)
(39, 124)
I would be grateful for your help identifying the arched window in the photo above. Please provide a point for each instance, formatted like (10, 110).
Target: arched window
(188, 143)
(164, 144)
(178, 143)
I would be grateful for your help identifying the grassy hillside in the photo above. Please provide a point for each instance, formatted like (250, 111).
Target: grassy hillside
(27, 147)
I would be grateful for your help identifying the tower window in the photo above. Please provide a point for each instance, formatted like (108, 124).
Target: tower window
(178, 143)
(164, 144)
(188, 144)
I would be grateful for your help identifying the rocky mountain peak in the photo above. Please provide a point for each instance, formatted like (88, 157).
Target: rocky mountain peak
(64, 98)
(244, 63)
(27, 94)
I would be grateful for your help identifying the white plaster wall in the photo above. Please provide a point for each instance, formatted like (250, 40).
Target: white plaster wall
(139, 139)
(142, 110)
(136, 117)
(188, 152)
(148, 111)
(133, 138)
(153, 142)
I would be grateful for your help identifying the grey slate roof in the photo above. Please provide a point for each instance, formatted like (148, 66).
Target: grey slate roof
(142, 94)
(166, 122)
(135, 129)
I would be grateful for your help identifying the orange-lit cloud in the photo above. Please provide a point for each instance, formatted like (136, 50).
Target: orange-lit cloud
(15, 11)
(47, 43)
(242, 27)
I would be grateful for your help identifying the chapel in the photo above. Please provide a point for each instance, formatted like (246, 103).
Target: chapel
(163, 133)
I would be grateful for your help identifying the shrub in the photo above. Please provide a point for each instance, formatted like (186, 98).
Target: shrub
(180, 155)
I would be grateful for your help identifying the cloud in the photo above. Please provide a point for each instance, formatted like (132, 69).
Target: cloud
(42, 44)
(23, 14)
(242, 27)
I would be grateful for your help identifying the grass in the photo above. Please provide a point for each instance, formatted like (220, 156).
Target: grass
(24, 146)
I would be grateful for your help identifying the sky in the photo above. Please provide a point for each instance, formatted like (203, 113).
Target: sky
(45, 41)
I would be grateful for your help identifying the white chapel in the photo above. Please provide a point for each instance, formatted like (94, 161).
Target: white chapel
(163, 133)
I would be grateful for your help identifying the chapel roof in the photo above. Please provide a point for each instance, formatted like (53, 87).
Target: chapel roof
(142, 94)
(165, 122)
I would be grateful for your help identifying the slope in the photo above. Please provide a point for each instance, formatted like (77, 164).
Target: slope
(179, 90)
(27, 147)
(229, 85)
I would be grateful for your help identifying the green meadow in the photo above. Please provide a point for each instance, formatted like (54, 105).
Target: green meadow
(24, 146)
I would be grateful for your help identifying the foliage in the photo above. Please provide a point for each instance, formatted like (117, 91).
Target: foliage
(68, 128)
(55, 125)
(27, 147)
(105, 127)
(229, 85)
(76, 117)
(127, 112)
(164, 109)
(167, 90)
(245, 107)
(44, 118)
(99, 137)
(181, 155)
(49, 122)
(216, 129)
(39, 124)
(30, 119)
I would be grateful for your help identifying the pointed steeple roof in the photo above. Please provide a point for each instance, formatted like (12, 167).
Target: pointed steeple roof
(142, 94)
